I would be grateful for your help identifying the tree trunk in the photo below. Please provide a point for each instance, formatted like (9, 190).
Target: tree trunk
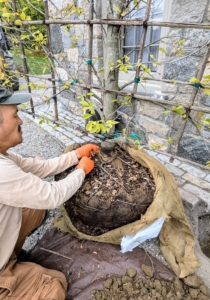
(111, 56)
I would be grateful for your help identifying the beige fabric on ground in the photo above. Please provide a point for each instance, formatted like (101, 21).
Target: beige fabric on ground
(176, 238)
(21, 186)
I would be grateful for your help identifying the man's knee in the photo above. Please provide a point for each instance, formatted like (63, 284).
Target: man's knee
(54, 289)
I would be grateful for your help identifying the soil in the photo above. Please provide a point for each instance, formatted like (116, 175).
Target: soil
(131, 287)
(117, 192)
(204, 234)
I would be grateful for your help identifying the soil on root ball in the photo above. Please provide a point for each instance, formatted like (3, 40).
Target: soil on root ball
(129, 287)
(117, 192)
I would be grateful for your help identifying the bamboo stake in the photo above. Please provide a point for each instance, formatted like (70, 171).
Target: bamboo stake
(113, 22)
(199, 76)
(51, 58)
(90, 47)
(146, 98)
(141, 50)
(25, 65)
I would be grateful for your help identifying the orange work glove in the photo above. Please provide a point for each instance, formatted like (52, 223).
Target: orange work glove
(86, 164)
(86, 150)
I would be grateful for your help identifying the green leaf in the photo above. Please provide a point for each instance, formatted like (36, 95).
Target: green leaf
(90, 94)
(89, 126)
(87, 116)
(166, 112)
(103, 128)
(206, 91)
(84, 103)
(162, 50)
(194, 80)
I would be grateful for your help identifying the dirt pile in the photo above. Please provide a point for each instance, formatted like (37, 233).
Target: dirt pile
(129, 287)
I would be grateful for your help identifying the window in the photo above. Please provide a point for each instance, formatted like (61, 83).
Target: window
(133, 35)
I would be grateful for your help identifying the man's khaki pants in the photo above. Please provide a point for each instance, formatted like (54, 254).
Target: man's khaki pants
(29, 281)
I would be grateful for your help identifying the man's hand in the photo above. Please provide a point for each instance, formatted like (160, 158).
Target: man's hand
(86, 164)
(86, 150)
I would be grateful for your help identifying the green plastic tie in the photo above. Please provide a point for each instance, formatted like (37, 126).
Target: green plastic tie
(59, 80)
(135, 137)
(133, 98)
(197, 85)
(74, 81)
(89, 61)
(136, 79)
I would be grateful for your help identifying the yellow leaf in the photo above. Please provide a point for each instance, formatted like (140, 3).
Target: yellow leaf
(123, 13)
(18, 22)
(23, 16)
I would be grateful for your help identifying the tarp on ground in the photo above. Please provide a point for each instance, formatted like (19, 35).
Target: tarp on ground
(86, 264)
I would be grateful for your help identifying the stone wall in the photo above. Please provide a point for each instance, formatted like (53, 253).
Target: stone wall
(149, 122)
(195, 143)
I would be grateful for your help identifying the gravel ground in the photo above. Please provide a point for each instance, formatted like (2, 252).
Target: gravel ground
(38, 142)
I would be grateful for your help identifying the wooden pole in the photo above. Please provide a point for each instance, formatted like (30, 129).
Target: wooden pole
(51, 58)
(141, 50)
(25, 65)
(113, 22)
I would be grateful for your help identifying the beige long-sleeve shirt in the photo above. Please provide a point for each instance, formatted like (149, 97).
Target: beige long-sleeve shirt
(21, 186)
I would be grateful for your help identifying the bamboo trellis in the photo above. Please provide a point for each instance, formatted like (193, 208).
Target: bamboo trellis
(90, 86)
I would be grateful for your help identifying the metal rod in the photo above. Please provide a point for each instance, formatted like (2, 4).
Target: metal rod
(51, 58)
(25, 65)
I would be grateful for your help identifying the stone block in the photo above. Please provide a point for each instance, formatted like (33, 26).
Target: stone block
(62, 74)
(152, 153)
(69, 143)
(86, 138)
(208, 13)
(69, 134)
(191, 12)
(153, 126)
(73, 55)
(194, 38)
(188, 197)
(194, 148)
(153, 139)
(203, 195)
(56, 38)
(176, 171)
(169, 88)
(193, 170)
(179, 181)
(64, 139)
(78, 140)
(182, 70)
(150, 109)
(166, 158)
(197, 181)
(208, 178)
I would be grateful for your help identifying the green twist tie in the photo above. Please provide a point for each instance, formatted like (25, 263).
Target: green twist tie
(197, 85)
(135, 137)
(89, 61)
(74, 81)
(136, 79)
(59, 80)
(133, 98)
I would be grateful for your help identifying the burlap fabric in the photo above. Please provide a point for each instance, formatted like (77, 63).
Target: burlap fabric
(176, 238)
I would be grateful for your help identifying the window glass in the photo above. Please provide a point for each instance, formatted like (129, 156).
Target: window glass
(133, 34)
